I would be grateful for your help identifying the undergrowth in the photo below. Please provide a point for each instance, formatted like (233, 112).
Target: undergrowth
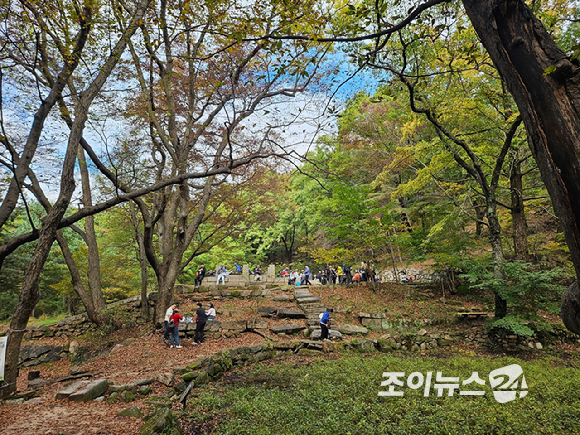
(341, 397)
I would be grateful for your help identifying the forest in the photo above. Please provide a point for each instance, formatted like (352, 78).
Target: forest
(142, 139)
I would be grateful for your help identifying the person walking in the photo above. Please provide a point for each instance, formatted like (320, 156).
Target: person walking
(306, 276)
(168, 314)
(325, 324)
(176, 317)
(200, 320)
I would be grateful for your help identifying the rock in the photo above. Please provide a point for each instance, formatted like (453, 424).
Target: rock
(363, 345)
(281, 298)
(73, 347)
(131, 411)
(309, 352)
(539, 345)
(162, 421)
(286, 329)
(37, 383)
(144, 381)
(290, 314)
(145, 390)
(307, 299)
(14, 401)
(210, 326)
(258, 324)
(234, 325)
(113, 397)
(127, 396)
(267, 310)
(33, 374)
(333, 333)
(66, 392)
(352, 329)
(90, 391)
(76, 370)
(165, 379)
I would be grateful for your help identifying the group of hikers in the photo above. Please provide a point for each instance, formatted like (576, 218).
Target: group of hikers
(172, 319)
(221, 272)
(343, 274)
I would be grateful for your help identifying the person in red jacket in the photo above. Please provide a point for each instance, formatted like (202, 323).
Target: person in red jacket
(176, 317)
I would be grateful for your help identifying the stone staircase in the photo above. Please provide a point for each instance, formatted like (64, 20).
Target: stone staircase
(312, 306)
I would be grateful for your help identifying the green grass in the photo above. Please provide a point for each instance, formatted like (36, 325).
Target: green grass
(341, 397)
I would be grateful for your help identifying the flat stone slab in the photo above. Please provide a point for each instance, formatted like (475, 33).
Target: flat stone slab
(308, 299)
(290, 314)
(333, 333)
(66, 392)
(302, 293)
(286, 329)
(267, 310)
(352, 329)
(281, 298)
(234, 325)
(83, 391)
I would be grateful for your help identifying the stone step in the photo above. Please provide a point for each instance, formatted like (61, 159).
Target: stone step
(318, 307)
(314, 310)
(307, 299)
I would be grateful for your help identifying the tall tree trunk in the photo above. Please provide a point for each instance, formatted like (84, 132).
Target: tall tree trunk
(142, 260)
(92, 313)
(497, 254)
(94, 269)
(522, 51)
(29, 294)
(519, 223)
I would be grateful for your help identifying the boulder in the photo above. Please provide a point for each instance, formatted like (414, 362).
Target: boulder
(286, 329)
(234, 325)
(290, 314)
(131, 411)
(210, 326)
(352, 329)
(258, 324)
(90, 391)
(165, 379)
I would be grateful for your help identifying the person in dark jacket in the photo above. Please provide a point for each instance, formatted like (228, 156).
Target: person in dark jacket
(200, 274)
(201, 319)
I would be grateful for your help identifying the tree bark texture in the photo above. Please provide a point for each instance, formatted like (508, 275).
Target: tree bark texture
(519, 223)
(523, 51)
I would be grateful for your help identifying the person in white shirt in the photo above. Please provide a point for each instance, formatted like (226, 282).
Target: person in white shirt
(168, 314)
(210, 312)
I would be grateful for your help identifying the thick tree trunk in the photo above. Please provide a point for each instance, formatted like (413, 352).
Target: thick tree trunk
(549, 104)
(519, 223)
